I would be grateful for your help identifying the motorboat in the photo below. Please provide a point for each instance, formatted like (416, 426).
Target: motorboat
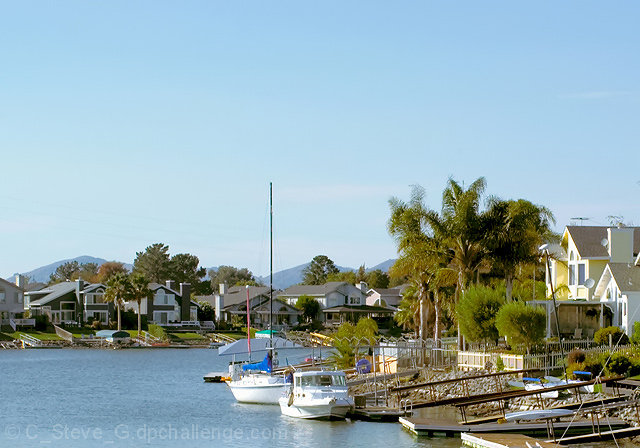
(317, 395)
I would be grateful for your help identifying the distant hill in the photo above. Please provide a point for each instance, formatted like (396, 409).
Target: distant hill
(43, 273)
(293, 276)
(281, 279)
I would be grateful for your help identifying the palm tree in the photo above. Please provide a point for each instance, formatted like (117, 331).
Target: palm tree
(117, 291)
(515, 230)
(139, 291)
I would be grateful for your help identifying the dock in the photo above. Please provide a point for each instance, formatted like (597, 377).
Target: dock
(378, 414)
(503, 441)
(447, 428)
(622, 433)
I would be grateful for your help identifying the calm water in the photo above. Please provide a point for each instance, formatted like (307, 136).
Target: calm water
(133, 398)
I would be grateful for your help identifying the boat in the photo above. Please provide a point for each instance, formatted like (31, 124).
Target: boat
(537, 414)
(587, 388)
(532, 384)
(317, 395)
(256, 383)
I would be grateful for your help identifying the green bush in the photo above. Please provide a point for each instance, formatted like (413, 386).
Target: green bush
(42, 322)
(477, 312)
(618, 337)
(129, 321)
(635, 367)
(619, 364)
(593, 365)
(499, 364)
(158, 332)
(521, 324)
(635, 337)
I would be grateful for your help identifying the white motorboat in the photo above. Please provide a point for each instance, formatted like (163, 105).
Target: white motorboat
(317, 395)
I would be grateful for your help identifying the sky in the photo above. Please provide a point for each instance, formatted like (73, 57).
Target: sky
(126, 123)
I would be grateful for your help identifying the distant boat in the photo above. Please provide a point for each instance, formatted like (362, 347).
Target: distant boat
(317, 395)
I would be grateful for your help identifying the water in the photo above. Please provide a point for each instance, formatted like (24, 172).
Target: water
(134, 398)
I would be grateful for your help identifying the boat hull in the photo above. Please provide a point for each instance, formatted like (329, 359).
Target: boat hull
(329, 409)
(259, 392)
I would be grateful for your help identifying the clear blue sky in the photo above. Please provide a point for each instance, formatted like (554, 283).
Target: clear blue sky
(124, 123)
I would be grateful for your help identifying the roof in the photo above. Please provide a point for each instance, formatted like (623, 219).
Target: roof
(313, 290)
(627, 277)
(11, 284)
(238, 294)
(588, 240)
(357, 309)
(53, 292)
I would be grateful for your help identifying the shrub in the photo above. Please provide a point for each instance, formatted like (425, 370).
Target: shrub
(499, 364)
(635, 367)
(635, 337)
(521, 324)
(477, 312)
(42, 322)
(618, 337)
(576, 356)
(158, 332)
(96, 325)
(619, 363)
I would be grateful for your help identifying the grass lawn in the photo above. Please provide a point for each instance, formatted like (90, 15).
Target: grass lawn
(190, 336)
(36, 334)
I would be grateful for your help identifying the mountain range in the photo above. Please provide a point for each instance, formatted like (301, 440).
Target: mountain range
(281, 279)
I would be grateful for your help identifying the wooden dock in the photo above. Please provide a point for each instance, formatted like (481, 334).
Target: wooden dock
(632, 431)
(448, 428)
(503, 441)
(378, 414)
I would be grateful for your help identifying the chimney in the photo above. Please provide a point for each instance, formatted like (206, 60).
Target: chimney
(171, 284)
(79, 300)
(185, 303)
(223, 288)
(362, 286)
(218, 305)
(20, 281)
(620, 244)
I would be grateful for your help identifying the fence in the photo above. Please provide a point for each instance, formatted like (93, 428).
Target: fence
(546, 361)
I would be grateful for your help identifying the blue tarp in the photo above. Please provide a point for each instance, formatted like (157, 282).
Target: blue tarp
(265, 365)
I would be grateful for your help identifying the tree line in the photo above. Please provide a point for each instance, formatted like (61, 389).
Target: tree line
(471, 240)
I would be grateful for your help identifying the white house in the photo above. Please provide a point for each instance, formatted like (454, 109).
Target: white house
(11, 300)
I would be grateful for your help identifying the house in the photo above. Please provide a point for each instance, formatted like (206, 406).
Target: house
(339, 301)
(619, 289)
(588, 256)
(389, 297)
(11, 300)
(168, 306)
(232, 301)
(70, 302)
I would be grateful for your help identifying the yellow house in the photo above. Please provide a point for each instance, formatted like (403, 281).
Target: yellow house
(585, 252)
(590, 256)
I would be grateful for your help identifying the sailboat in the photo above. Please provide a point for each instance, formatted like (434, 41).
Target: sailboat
(256, 383)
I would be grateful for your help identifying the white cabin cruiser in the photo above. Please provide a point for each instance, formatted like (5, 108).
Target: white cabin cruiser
(317, 395)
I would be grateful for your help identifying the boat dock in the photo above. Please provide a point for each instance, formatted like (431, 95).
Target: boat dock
(503, 441)
(447, 428)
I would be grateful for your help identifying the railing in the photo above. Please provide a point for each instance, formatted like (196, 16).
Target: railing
(24, 322)
(64, 334)
(12, 324)
(222, 338)
(207, 325)
(30, 340)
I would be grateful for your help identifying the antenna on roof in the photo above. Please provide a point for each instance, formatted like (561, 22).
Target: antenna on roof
(580, 218)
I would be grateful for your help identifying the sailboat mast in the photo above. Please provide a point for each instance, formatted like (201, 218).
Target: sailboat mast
(248, 325)
(270, 262)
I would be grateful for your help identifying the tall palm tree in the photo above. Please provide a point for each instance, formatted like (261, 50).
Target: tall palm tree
(140, 290)
(117, 291)
(515, 230)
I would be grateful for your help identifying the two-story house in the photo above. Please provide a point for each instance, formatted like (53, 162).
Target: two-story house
(339, 301)
(577, 266)
(168, 305)
(11, 300)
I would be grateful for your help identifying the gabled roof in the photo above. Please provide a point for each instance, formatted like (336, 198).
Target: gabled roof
(53, 292)
(6, 282)
(313, 290)
(626, 276)
(588, 240)
(358, 309)
(153, 286)
(238, 294)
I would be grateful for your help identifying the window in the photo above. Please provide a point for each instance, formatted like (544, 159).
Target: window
(582, 269)
(572, 274)
(2, 297)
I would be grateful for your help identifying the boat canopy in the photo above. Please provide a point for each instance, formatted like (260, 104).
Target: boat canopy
(265, 365)
(240, 346)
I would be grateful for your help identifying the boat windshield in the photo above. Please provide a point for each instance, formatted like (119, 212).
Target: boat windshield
(323, 380)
